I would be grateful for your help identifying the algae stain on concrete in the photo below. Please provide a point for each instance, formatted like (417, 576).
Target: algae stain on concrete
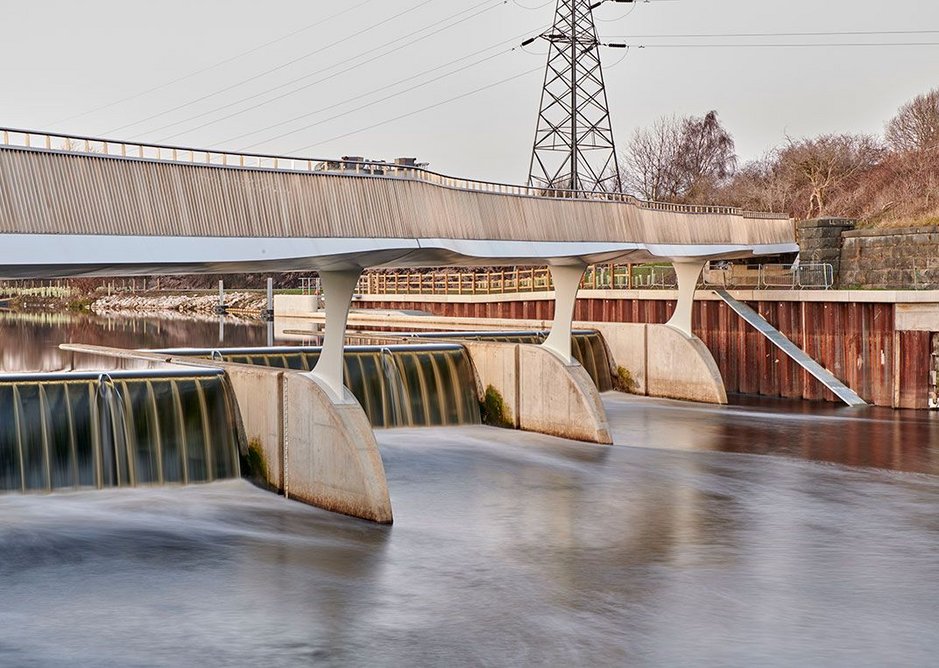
(253, 464)
(494, 411)
(624, 381)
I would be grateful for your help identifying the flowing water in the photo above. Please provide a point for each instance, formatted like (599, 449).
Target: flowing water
(397, 385)
(587, 347)
(66, 431)
(760, 534)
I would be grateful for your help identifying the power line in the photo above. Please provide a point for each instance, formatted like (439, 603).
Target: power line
(778, 45)
(422, 109)
(780, 34)
(275, 69)
(269, 100)
(373, 91)
(216, 65)
(378, 101)
(366, 94)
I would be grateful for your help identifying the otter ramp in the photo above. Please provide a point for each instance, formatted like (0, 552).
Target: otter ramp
(799, 356)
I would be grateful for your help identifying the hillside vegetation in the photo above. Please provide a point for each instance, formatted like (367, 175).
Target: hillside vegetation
(889, 180)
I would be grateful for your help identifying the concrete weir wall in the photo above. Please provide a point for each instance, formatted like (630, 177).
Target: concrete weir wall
(539, 392)
(331, 457)
(313, 449)
(663, 362)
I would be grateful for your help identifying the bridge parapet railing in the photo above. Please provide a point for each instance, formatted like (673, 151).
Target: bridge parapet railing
(30, 139)
(516, 280)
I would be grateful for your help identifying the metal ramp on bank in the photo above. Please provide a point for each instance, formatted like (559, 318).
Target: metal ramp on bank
(799, 356)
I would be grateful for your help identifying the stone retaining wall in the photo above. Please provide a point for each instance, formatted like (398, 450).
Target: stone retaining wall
(820, 240)
(905, 259)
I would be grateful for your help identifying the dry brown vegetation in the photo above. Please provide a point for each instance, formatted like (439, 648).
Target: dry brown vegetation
(890, 181)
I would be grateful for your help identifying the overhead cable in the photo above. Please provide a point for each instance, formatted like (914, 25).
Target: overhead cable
(218, 64)
(331, 45)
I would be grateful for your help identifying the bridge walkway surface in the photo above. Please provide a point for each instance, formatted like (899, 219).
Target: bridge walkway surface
(73, 206)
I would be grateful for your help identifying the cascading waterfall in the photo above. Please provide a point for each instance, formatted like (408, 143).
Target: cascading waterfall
(86, 430)
(587, 347)
(419, 385)
(396, 413)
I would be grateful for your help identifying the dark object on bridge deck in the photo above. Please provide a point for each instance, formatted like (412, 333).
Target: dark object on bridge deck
(95, 430)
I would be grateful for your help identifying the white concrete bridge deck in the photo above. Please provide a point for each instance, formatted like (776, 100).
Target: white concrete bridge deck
(82, 206)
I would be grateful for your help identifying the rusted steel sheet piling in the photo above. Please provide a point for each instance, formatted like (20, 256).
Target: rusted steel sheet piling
(857, 341)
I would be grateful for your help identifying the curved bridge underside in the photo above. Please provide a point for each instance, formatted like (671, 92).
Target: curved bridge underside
(72, 214)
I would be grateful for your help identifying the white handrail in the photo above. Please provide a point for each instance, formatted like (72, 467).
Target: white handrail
(34, 140)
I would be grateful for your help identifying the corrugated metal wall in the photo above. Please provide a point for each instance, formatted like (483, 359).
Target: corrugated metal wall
(856, 341)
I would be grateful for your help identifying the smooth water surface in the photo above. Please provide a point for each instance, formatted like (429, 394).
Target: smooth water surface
(763, 534)
(508, 549)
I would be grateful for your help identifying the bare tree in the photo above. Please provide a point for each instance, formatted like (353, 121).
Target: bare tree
(679, 159)
(649, 164)
(759, 185)
(707, 156)
(916, 125)
(821, 166)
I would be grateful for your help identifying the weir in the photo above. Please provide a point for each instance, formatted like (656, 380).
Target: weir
(124, 429)
(418, 385)
(587, 347)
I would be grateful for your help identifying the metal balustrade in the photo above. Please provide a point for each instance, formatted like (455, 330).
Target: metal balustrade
(599, 277)
(803, 276)
(83, 145)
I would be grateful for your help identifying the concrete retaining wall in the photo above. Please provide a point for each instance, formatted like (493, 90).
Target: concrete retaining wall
(541, 393)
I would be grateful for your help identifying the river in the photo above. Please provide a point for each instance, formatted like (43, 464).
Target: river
(765, 533)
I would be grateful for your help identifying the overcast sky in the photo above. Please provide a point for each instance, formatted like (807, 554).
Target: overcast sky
(62, 58)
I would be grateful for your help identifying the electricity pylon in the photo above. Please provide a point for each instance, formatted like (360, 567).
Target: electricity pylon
(574, 148)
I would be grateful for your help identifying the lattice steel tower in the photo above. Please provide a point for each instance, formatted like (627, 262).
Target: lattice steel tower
(574, 148)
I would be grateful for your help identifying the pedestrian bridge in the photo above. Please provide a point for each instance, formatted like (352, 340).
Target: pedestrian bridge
(73, 206)
(77, 206)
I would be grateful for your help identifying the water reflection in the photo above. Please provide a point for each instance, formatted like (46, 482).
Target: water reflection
(867, 437)
(30, 341)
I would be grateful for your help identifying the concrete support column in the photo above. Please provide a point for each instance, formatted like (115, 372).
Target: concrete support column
(567, 280)
(338, 288)
(688, 274)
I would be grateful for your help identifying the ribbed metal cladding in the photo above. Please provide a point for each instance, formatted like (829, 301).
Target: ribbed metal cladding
(45, 192)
